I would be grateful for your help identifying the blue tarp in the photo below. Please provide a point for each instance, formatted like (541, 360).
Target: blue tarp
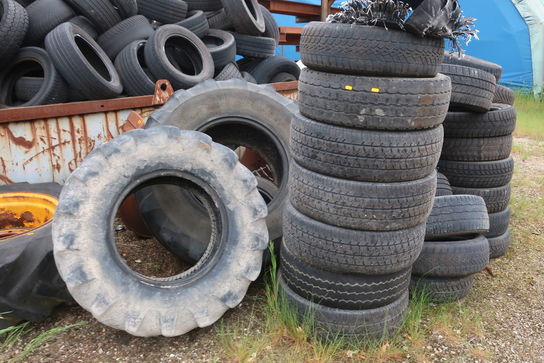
(504, 38)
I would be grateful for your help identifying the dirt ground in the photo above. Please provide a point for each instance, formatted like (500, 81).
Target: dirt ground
(507, 301)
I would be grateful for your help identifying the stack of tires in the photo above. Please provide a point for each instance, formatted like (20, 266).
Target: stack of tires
(478, 141)
(362, 182)
(56, 51)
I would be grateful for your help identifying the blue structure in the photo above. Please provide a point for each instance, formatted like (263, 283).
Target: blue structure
(504, 39)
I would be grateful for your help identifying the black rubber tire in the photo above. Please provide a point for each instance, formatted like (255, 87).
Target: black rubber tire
(443, 290)
(126, 8)
(88, 70)
(504, 95)
(13, 28)
(477, 149)
(499, 223)
(498, 246)
(86, 25)
(350, 251)
(222, 47)
(369, 50)
(283, 77)
(499, 121)
(30, 284)
(452, 258)
(196, 56)
(373, 156)
(473, 62)
(163, 11)
(129, 30)
(375, 103)
(29, 61)
(496, 199)
(248, 77)
(245, 16)
(130, 63)
(457, 215)
(361, 205)
(196, 22)
(204, 5)
(44, 16)
(271, 26)
(101, 13)
(27, 87)
(103, 284)
(233, 113)
(472, 88)
(229, 71)
(484, 174)
(332, 323)
(342, 291)
(264, 70)
(254, 47)
(219, 20)
(443, 186)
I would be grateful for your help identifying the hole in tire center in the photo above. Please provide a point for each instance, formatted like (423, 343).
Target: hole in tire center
(251, 8)
(91, 55)
(183, 55)
(164, 260)
(212, 41)
(27, 68)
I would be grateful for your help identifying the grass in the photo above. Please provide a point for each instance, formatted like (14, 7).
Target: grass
(530, 116)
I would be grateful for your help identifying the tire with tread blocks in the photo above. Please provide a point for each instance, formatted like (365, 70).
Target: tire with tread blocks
(13, 28)
(499, 223)
(504, 95)
(477, 149)
(443, 290)
(140, 305)
(498, 246)
(473, 62)
(254, 47)
(443, 186)
(499, 121)
(496, 199)
(474, 174)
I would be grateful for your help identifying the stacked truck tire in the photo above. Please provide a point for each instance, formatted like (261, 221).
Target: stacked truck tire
(363, 175)
(478, 141)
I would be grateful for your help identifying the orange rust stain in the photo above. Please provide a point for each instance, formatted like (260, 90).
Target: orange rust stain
(50, 149)
(9, 220)
(4, 179)
(21, 141)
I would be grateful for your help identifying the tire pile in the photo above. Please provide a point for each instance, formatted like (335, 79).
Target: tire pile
(478, 141)
(56, 51)
(363, 177)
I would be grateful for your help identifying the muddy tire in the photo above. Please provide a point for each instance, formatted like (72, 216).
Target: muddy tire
(229, 71)
(103, 284)
(30, 284)
(443, 290)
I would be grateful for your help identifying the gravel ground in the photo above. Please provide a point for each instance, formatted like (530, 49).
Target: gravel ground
(507, 301)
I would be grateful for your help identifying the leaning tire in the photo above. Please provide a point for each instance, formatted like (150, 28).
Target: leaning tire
(350, 251)
(499, 121)
(129, 30)
(130, 63)
(504, 95)
(100, 12)
(362, 205)
(265, 70)
(245, 16)
(231, 112)
(477, 149)
(484, 174)
(353, 154)
(85, 24)
(122, 299)
(369, 50)
(13, 27)
(271, 26)
(44, 16)
(376, 103)
(222, 47)
(442, 290)
(229, 71)
(496, 199)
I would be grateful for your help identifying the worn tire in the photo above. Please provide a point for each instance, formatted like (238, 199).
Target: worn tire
(204, 5)
(342, 291)
(499, 121)
(129, 30)
(442, 290)
(254, 47)
(44, 16)
(245, 16)
(13, 27)
(271, 26)
(350, 251)
(473, 62)
(101, 13)
(332, 323)
(266, 69)
(53, 89)
(229, 71)
(126, 8)
(457, 215)
(85, 24)
(222, 47)
(477, 149)
(130, 63)
(496, 199)
(443, 186)
(452, 258)
(29, 282)
(219, 20)
(484, 174)
(27, 87)
(160, 61)
(375, 103)
(472, 88)
(498, 246)
(499, 223)
(122, 299)
(96, 80)
(361, 205)
(163, 11)
(504, 95)
(234, 113)
(373, 156)
(196, 22)
(369, 50)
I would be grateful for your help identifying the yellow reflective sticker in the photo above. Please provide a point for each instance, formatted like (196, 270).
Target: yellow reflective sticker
(375, 90)
(348, 87)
